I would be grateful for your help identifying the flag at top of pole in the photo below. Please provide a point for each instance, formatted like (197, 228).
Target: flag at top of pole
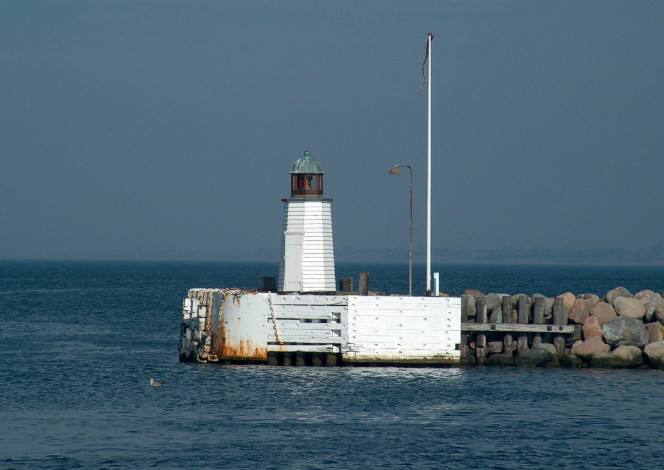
(427, 57)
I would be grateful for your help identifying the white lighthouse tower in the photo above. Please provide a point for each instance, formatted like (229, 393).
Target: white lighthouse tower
(307, 251)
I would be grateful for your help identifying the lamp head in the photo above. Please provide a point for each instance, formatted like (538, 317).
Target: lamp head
(395, 170)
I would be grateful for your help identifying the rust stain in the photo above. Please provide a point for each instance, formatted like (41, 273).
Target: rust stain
(242, 349)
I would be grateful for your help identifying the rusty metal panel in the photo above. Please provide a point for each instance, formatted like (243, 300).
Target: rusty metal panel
(241, 330)
(403, 329)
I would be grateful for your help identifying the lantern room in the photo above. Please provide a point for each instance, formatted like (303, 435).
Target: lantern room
(306, 177)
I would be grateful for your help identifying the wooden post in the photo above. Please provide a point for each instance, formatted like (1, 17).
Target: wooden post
(269, 283)
(480, 341)
(330, 360)
(463, 345)
(558, 319)
(507, 318)
(522, 341)
(364, 283)
(272, 358)
(346, 284)
(538, 318)
(317, 359)
(287, 359)
(300, 359)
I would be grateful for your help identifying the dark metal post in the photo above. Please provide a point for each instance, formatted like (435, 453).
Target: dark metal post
(396, 171)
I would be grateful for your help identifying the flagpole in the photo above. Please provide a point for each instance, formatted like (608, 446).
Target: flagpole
(429, 173)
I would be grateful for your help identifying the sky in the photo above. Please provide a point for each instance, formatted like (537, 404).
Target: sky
(165, 130)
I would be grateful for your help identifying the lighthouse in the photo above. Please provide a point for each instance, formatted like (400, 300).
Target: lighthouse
(307, 251)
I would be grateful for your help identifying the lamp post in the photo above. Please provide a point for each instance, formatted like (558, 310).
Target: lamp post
(396, 170)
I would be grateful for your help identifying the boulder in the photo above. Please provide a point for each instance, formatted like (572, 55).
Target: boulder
(515, 301)
(533, 358)
(592, 327)
(590, 347)
(546, 347)
(655, 353)
(604, 312)
(475, 293)
(569, 361)
(629, 307)
(615, 293)
(493, 301)
(630, 355)
(500, 360)
(655, 308)
(625, 331)
(655, 332)
(568, 303)
(644, 296)
(651, 305)
(622, 357)
(496, 315)
(494, 347)
(581, 308)
(471, 309)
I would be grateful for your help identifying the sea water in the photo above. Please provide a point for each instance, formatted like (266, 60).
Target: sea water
(80, 341)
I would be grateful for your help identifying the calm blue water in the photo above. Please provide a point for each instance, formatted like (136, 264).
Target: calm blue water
(80, 341)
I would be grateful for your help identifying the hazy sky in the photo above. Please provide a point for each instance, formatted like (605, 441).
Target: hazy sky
(166, 129)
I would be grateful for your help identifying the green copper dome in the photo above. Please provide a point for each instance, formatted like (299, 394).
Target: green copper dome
(307, 164)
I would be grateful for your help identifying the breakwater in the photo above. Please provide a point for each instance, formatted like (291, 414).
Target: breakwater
(618, 330)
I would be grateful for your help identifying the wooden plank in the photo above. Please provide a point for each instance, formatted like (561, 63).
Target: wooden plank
(305, 339)
(515, 327)
(307, 299)
(297, 325)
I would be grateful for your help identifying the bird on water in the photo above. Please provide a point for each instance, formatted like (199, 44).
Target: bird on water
(156, 383)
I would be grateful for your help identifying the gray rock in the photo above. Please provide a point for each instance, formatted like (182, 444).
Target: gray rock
(604, 312)
(625, 331)
(546, 347)
(533, 358)
(569, 361)
(493, 301)
(629, 307)
(496, 315)
(655, 353)
(472, 305)
(630, 355)
(615, 293)
(494, 347)
(605, 360)
(500, 360)
(654, 306)
(622, 357)
(651, 305)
